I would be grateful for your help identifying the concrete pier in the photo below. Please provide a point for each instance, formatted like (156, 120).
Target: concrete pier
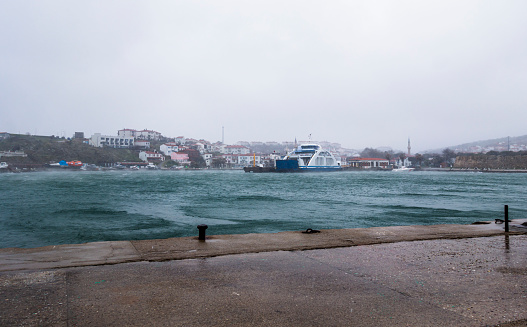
(442, 275)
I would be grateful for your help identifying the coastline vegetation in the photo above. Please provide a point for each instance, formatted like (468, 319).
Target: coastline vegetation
(42, 150)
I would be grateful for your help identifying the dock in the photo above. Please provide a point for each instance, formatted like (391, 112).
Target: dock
(441, 275)
(259, 169)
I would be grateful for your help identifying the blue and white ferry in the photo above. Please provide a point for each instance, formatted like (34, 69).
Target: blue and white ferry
(308, 157)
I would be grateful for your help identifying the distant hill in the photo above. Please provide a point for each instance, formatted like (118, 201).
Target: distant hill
(46, 149)
(516, 143)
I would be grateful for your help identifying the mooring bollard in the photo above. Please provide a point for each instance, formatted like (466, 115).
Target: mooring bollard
(202, 229)
(506, 218)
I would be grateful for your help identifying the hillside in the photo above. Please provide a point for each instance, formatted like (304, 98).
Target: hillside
(46, 149)
(491, 144)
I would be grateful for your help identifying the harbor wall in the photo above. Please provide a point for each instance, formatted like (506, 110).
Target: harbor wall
(486, 161)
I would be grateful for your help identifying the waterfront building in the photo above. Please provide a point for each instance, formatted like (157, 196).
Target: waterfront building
(208, 158)
(368, 163)
(244, 160)
(100, 141)
(151, 156)
(181, 158)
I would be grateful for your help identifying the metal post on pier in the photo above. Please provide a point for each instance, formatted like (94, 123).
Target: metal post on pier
(506, 209)
(202, 229)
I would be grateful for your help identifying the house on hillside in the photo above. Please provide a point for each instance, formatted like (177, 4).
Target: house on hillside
(142, 144)
(151, 156)
(208, 158)
(169, 148)
(181, 158)
(235, 149)
(100, 141)
(180, 140)
(126, 132)
(146, 134)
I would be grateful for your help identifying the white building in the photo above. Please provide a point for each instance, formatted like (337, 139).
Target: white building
(235, 149)
(126, 132)
(180, 140)
(402, 163)
(182, 158)
(230, 159)
(146, 134)
(248, 160)
(208, 158)
(168, 148)
(142, 144)
(151, 156)
(100, 141)
(368, 163)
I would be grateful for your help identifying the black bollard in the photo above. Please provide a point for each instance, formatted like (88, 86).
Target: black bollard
(202, 229)
(506, 218)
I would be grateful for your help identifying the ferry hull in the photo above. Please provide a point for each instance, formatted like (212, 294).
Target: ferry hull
(291, 166)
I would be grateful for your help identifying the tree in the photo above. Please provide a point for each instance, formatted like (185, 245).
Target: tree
(372, 153)
(196, 160)
(449, 156)
(171, 163)
(437, 159)
(219, 162)
(419, 159)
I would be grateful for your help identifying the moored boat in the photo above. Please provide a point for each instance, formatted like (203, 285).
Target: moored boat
(74, 163)
(307, 158)
(403, 168)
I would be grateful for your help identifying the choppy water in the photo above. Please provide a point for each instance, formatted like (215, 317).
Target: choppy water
(49, 208)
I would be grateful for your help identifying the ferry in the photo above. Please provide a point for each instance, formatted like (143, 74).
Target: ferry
(307, 158)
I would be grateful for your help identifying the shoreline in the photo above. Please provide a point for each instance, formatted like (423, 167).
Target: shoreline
(40, 168)
(113, 252)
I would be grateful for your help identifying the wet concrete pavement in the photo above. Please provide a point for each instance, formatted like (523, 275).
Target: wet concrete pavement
(455, 276)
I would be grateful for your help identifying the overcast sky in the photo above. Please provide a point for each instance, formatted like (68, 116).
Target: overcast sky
(360, 73)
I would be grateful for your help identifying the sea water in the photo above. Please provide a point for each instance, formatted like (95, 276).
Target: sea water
(61, 207)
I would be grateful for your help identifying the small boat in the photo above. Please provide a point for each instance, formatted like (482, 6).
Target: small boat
(3, 165)
(403, 168)
(74, 163)
(89, 167)
(308, 157)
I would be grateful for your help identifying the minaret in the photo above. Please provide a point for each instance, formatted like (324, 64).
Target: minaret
(409, 147)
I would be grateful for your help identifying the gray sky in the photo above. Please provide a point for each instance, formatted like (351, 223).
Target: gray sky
(361, 73)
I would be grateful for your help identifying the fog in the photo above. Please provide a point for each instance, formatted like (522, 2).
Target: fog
(360, 73)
